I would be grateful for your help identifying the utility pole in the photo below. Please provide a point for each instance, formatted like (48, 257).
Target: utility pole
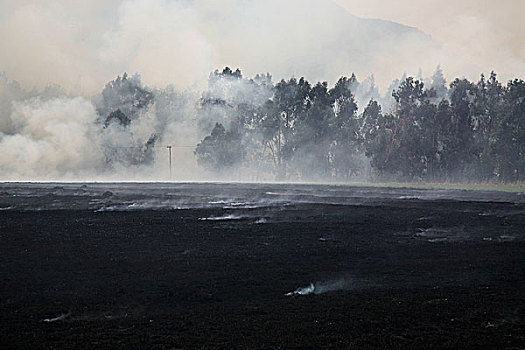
(169, 149)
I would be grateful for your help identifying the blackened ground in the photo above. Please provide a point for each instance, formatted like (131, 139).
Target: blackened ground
(414, 274)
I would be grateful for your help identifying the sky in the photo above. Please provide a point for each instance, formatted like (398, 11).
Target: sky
(82, 44)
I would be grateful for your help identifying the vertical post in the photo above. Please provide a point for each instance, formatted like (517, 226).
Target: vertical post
(169, 149)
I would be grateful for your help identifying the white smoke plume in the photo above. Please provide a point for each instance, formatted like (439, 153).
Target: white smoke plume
(84, 44)
(51, 139)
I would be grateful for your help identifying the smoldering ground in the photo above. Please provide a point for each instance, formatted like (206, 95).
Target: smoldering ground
(147, 274)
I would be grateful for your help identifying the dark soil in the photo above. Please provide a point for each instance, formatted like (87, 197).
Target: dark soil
(410, 274)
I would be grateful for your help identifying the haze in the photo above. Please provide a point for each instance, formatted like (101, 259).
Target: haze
(83, 44)
(290, 108)
(489, 34)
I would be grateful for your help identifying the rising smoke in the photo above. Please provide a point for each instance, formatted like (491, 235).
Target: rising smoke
(81, 46)
(324, 287)
(122, 132)
(81, 131)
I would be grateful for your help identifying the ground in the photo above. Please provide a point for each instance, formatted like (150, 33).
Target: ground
(402, 273)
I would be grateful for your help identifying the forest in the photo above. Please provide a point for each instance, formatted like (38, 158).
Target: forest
(466, 131)
(422, 129)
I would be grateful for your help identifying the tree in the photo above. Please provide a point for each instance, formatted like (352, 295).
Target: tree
(442, 126)
(344, 130)
(488, 108)
(410, 150)
(509, 145)
(377, 135)
(220, 150)
(289, 104)
(240, 105)
(311, 139)
(122, 102)
(125, 94)
(439, 85)
(460, 148)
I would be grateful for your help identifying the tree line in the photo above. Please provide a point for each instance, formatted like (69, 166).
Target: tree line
(422, 130)
(466, 131)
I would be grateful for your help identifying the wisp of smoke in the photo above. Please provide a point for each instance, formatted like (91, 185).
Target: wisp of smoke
(322, 287)
(61, 317)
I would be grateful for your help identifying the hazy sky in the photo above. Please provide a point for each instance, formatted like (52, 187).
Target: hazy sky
(490, 33)
(82, 44)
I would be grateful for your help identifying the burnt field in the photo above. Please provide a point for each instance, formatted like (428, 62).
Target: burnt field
(260, 266)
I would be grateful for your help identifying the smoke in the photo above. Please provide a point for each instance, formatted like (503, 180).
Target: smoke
(323, 287)
(50, 139)
(81, 46)
(61, 317)
(46, 135)
(160, 39)
(68, 50)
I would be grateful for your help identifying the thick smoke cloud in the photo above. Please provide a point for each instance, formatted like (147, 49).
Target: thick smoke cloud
(161, 40)
(50, 140)
(82, 45)
(46, 135)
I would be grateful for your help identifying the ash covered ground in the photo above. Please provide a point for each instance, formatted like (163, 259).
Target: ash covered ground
(260, 266)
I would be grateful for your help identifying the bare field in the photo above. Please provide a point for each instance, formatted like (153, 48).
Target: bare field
(223, 265)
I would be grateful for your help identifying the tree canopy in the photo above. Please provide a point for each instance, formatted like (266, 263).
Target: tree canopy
(466, 131)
